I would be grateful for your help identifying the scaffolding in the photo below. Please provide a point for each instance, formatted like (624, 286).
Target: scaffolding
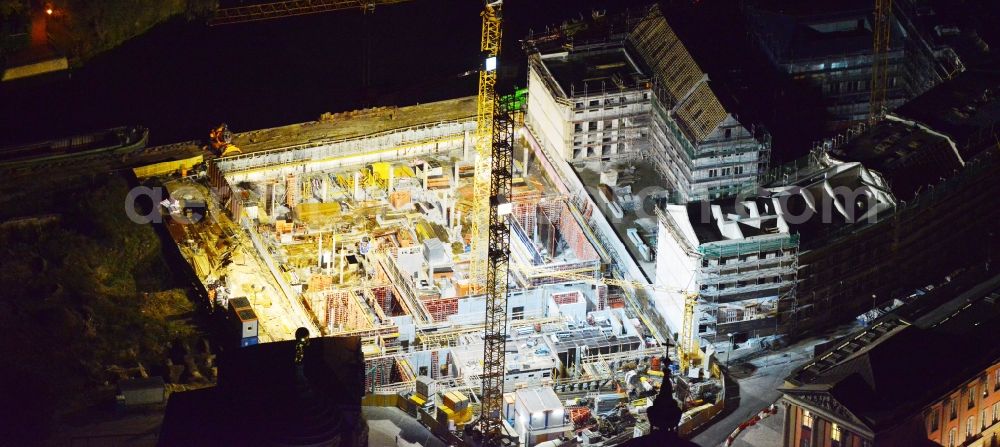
(744, 284)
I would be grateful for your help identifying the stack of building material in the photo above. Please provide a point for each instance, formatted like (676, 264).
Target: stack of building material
(442, 181)
(319, 282)
(282, 227)
(399, 199)
(317, 213)
(455, 407)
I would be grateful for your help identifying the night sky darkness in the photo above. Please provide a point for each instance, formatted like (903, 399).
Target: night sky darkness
(182, 78)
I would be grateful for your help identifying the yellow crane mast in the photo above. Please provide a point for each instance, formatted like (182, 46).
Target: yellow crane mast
(490, 46)
(880, 59)
(490, 230)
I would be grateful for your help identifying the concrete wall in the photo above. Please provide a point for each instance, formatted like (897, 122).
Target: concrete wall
(550, 119)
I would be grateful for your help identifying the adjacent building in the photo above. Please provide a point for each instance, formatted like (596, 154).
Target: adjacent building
(908, 208)
(638, 93)
(740, 260)
(828, 46)
(898, 382)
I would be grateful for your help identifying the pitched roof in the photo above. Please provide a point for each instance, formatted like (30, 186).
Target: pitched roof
(881, 374)
(681, 79)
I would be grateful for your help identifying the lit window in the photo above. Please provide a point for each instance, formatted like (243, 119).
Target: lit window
(807, 418)
(951, 437)
(970, 427)
(972, 396)
(952, 410)
(835, 435)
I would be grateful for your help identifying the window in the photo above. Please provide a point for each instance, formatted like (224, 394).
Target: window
(729, 133)
(996, 412)
(996, 381)
(952, 410)
(726, 171)
(595, 103)
(738, 170)
(807, 418)
(578, 127)
(518, 312)
(579, 105)
(970, 427)
(713, 173)
(971, 391)
(835, 435)
(592, 125)
(951, 437)
(933, 419)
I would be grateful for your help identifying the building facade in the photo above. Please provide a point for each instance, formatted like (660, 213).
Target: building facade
(641, 95)
(872, 388)
(829, 47)
(739, 259)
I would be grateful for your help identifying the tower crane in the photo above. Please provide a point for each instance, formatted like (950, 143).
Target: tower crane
(290, 8)
(880, 59)
(486, 105)
(490, 228)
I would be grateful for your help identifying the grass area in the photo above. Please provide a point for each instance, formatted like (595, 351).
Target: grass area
(86, 298)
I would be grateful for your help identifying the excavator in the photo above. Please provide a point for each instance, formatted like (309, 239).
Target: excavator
(221, 141)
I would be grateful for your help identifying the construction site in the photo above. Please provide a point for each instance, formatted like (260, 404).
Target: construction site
(368, 234)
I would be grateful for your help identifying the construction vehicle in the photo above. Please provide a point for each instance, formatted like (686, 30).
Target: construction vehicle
(221, 141)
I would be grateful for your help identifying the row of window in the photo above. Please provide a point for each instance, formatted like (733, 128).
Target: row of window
(726, 172)
(971, 429)
(970, 395)
(854, 86)
(738, 284)
(729, 260)
(837, 434)
(594, 103)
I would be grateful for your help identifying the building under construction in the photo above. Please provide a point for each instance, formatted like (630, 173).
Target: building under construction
(906, 212)
(827, 46)
(358, 225)
(631, 90)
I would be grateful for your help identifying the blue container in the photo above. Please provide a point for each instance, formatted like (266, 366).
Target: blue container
(249, 341)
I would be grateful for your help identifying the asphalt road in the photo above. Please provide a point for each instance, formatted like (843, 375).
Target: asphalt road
(761, 389)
